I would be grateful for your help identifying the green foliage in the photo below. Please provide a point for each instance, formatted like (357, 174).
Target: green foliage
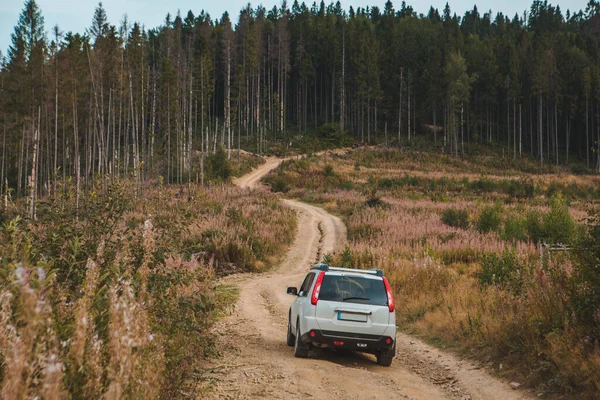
(279, 183)
(331, 133)
(155, 260)
(559, 226)
(219, 167)
(514, 188)
(534, 226)
(587, 275)
(505, 270)
(346, 258)
(515, 227)
(489, 219)
(554, 226)
(455, 217)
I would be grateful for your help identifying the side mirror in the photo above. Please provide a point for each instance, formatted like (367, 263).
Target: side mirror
(293, 291)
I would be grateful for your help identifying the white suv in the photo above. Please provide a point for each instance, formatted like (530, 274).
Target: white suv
(343, 308)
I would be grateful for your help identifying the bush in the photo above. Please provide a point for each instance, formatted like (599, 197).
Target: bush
(375, 201)
(520, 189)
(514, 228)
(501, 270)
(328, 170)
(279, 183)
(331, 133)
(490, 218)
(534, 226)
(559, 227)
(587, 275)
(456, 218)
(219, 167)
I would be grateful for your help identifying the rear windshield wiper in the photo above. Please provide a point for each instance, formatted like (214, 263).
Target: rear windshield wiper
(355, 298)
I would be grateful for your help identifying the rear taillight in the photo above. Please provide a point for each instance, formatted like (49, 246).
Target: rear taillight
(390, 297)
(315, 294)
(388, 340)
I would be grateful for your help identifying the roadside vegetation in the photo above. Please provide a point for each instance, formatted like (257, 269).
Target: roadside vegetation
(461, 246)
(115, 298)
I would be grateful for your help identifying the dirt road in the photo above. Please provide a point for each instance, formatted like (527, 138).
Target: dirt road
(257, 363)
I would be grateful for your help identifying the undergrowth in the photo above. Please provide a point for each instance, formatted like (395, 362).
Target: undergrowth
(460, 242)
(115, 299)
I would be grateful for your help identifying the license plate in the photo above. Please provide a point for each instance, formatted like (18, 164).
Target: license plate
(342, 316)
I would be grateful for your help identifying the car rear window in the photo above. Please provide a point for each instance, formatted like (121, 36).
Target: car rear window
(353, 289)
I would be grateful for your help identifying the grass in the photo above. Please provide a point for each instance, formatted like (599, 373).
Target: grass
(458, 240)
(116, 299)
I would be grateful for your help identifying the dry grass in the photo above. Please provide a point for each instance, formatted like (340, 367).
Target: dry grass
(526, 322)
(115, 300)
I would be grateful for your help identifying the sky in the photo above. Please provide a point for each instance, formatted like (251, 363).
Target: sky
(76, 15)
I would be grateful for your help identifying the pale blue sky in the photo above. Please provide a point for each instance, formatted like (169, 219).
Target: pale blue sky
(76, 15)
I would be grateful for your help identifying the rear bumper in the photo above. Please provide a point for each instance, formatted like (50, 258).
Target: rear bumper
(351, 341)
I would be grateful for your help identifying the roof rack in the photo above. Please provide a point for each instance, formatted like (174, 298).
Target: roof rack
(325, 267)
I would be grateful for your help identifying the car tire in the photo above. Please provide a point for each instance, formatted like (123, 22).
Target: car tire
(291, 339)
(385, 357)
(300, 349)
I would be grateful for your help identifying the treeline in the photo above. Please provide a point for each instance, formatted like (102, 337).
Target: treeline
(126, 100)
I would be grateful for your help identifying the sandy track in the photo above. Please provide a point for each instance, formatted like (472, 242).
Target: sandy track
(257, 363)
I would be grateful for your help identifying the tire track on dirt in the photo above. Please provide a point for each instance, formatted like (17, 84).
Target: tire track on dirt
(257, 363)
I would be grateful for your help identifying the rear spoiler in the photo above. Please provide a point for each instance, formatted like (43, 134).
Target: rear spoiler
(325, 267)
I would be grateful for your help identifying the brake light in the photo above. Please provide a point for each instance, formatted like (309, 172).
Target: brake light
(315, 294)
(390, 297)
(338, 343)
(388, 340)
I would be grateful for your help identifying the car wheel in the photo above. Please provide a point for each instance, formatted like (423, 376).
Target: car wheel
(291, 339)
(300, 349)
(385, 357)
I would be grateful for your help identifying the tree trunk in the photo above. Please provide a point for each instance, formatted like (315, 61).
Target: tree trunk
(400, 107)
(568, 127)
(520, 131)
(462, 131)
(587, 132)
(55, 120)
(540, 129)
(556, 132)
(434, 126)
(408, 113)
(598, 137)
(514, 129)
(228, 100)
(33, 178)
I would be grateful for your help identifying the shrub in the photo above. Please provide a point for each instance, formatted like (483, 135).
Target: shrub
(375, 201)
(520, 189)
(219, 166)
(559, 226)
(501, 270)
(328, 170)
(587, 275)
(534, 226)
(489, 219)
(456, 218)
(279, 183)
(514, 228)
(331, 133)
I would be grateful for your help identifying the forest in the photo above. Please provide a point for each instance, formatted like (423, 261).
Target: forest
(122, 100)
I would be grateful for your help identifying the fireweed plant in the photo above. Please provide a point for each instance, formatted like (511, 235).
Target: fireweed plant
(115, 298)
